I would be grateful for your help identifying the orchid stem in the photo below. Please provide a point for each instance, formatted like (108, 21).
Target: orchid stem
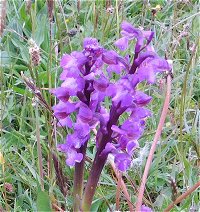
(78, 180)
(92, 182)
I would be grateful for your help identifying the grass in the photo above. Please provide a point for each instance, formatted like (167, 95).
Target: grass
(25, 124)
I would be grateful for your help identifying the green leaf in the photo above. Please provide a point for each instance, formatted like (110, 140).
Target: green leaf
(40, 31)
(5, 59)
(43, 201)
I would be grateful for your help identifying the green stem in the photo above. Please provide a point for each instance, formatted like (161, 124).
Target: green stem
(78, 180)
(92, 182)
(99, 162)
(117, 16)
(39, 149)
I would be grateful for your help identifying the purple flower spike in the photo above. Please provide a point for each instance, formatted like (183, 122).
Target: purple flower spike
(103, 84)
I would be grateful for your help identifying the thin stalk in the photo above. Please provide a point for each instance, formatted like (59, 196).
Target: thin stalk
(122, 186)
(3, 164)
(39, 149)
(183, 94)
(3, 16)
(118, 194)
(63, 14)
(153, 147)
(78, 180)
(94, 17)
(59, 29)
(49, 117)
(117, 16)
(183, 196)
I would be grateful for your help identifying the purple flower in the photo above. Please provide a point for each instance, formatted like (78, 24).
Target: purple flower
(66, 122)
(130, 33)
(61, 93)
(122, 43)
(145, 209)
(103, 86)
(85, 114)
(73, 157)
(73, 85)
(63, 109)
(122, 161)
(141, 99)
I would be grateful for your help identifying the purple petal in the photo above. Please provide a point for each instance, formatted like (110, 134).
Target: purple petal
(127, 27)
(145, 209)
(143, 56)
(81, 59)
(141, 98)
(118, 130)
(114, 68)
(123, 141)
(131, 146)
(82, 130)
(62, 148)
(130, 31)
(122, 43)
(90, 42)
(109, 148)
(73, 85)
(122, 161)
(61, 93)
(66, 122)
(101, 84)
(132, 129)
(73, 157)
(110, 57)
(140, 113)
(62, 110)
(146, 73)
(70, 72)
(66, 60)
(85, 114)
(160, 65)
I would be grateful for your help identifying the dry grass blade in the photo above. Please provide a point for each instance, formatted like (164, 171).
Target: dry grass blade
(31, 85)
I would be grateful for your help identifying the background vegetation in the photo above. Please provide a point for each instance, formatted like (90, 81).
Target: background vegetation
(24, 121)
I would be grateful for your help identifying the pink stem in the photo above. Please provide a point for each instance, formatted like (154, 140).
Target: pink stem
(123, 186)
(153, 147)
(183, 196)
(118, 194)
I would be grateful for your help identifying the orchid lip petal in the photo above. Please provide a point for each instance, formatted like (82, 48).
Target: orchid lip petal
(122, 43)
